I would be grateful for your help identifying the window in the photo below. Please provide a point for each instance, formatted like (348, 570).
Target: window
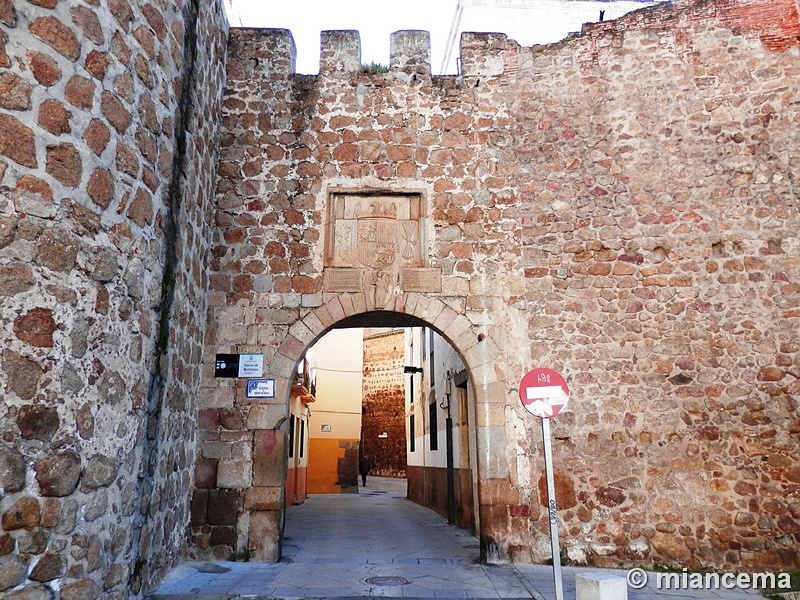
(291, 436)
(302, 436)
(412, 437)
(434, 421)
(431, 372)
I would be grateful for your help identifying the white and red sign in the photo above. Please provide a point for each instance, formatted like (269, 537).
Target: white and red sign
(544, 393)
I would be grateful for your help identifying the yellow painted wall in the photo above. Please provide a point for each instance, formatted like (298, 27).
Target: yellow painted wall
(323, 465)
(336, 413)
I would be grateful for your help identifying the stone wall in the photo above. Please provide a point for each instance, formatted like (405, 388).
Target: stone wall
(383, 403)
(660, 259)
(108, 141)
(621, 206)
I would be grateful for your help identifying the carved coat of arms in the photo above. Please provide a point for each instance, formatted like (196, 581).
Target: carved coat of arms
(377, 243)
(372, 239)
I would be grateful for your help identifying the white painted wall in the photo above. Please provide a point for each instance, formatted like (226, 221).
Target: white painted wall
(445, 358)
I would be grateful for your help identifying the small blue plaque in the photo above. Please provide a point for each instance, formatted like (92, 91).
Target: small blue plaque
(260, 388)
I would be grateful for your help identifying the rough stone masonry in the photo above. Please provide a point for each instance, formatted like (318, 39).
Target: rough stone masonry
(621, 206)
(109, 116)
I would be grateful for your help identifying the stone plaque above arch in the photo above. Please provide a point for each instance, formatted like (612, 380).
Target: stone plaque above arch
(375, 241)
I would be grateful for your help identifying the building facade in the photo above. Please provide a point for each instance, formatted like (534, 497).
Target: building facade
(383, 431)
(303, 394)
(438, 416)
(335, 430)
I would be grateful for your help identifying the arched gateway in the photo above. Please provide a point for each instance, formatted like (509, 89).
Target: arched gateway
(620, 207)
(535, 214)
(376, 274)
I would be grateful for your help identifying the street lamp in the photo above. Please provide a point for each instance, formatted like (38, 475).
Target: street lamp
(411, 371)
(448, 384)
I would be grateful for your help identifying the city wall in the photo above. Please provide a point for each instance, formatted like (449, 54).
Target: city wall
(383, 430)
(621, 206)
(109, 115)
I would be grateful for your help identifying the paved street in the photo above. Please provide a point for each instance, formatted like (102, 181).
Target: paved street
(377, 543)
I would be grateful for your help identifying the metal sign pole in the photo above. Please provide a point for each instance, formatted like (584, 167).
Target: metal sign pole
(544, 393)
(551, 509)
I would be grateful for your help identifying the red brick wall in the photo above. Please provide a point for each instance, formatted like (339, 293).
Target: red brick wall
(383, 404)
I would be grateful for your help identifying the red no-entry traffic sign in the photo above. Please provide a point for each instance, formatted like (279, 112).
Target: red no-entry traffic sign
(543, 392)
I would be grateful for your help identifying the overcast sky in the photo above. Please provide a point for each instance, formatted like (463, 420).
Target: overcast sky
(374, 19)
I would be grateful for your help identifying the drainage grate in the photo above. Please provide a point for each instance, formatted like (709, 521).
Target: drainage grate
(388, 581)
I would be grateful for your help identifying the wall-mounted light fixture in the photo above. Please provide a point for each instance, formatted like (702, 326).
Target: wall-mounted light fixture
(411, 371)
(451, 499)
(448, 387)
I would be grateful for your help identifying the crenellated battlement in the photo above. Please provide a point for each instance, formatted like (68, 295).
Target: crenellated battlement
(485, 54)
(495, 55)
(340, 51)
(411, 52)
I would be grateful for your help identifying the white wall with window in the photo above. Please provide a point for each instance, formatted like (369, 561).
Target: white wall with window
(439, 474)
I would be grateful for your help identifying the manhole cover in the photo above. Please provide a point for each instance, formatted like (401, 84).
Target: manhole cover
(388, 581)
(212, 568)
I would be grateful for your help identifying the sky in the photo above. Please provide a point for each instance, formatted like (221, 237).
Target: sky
(376, 20)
